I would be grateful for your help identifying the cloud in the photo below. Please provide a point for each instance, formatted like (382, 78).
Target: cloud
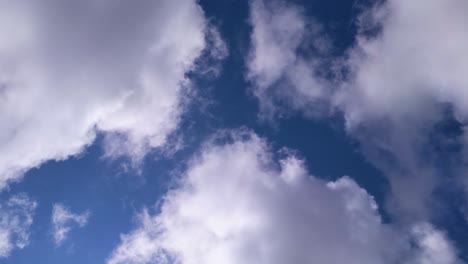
(238, 204)
(405, 79)
(279, 32)
(63, 221)
(393, 86)
(432, 246)
(16, 218)
(69, 69)
(415, 62)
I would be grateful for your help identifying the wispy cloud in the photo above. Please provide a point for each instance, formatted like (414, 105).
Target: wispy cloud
(64, 220)
(16, 218)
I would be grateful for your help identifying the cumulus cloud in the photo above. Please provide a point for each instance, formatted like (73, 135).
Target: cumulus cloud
(405, 79)
(16, 218)
(64, 220)
(393, 86)
(238, 204)
(69, 69)
(415, 60)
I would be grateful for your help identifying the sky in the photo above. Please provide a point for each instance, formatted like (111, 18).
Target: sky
(233, 131)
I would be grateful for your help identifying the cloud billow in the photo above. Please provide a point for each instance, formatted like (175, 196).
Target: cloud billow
(71, 68)
(237, 204)
(401, 78)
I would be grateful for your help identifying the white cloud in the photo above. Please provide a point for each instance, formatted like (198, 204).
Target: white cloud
(398, 84)
(279, 31)
(16, 218)
(64, 220)
(415, 61)
(404, 76)
(236, 204)
(71, 68)
(432, 247)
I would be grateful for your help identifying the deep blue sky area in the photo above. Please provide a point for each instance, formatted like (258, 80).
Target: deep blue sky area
(114, 192)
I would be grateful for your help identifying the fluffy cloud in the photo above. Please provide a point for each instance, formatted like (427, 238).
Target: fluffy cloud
(238, 204)
(433, 247)
(63, 221)
(406, 68)
(414, 62)
(69, 69)
(16, 217)
(405, 79)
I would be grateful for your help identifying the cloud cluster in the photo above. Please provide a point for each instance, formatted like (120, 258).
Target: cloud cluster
(16, 218)
(405, 79)
(404, 75)
(64, 220)
(71, 68)
(238, 204)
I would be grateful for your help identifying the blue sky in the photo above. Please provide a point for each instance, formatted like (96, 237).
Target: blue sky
(233, 131)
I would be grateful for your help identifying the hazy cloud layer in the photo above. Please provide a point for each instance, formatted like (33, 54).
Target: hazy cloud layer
(238, 204)
(71, 68)
(16, 218)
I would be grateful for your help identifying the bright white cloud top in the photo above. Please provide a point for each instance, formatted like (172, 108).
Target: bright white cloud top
(16, 218)
(64, 220)
(237, 204)
(71, 68)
